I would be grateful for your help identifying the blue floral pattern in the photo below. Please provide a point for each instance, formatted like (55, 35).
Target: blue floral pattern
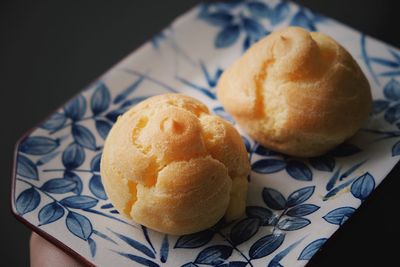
(58, 185)
(247, 18)
(279, 215)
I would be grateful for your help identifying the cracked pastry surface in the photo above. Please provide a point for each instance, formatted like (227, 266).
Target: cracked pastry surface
(296, 92)
(170, 165)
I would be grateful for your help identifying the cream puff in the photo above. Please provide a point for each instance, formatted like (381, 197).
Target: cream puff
(170, 165)
(297, 92)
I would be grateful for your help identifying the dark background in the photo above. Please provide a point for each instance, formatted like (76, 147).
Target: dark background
(49, 50)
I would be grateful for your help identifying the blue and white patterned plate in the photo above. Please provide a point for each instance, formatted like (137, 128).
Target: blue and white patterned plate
(294, 204)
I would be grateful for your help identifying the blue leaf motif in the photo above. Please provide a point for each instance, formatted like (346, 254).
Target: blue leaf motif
(122, 96)
(266, 166)
(395, 54)
(260, 150)
(50, 213)
(390, 73)
(344, 150)
(214, 255)
(227, 37)
(253, 29)
(244, 230)
(164, 249)
(323, 163)
(83, 136)
(379, 106)
(100, 100)
(195, 240)
(26, 168)
(100, 234)
(55, 122)
(280, 12)
(274, 264)
(79, 225)
(92, 246)
(95, 163)
(27, 201)
(219, 18)
(392, 114)
(363, 186)
(274, 199)
(278, 257)
(385, 62)
(58, 186)
(266, 245)
(259, 9)
(79, 202)
(76, 108)
(248, 41)
(38, 145)
(312, 248)
(299, 196)
(292, 224)
(365, 57)
(301, 19)
(102, 127)
(114, 114)
(299, 171)
(96, 187)
(339, 216)
(136, 245)
(302, 210)
(189, 264)
(140, 260)
(73, 156)
(107, 206)
(396, 149)
(68, 175)
(211, 81)
(332, 181)
(47, 158)
(351, 170)
(147, 237)
(392, 90)
(337, 189)
(264, 215)
(223, 114)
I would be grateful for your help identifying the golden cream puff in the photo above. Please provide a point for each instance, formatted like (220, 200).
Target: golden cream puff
(297, 92)
(170, 165)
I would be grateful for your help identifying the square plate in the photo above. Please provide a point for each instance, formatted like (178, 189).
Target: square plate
(294, 205)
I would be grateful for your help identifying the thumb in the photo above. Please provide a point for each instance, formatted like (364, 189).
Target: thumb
(45, 254)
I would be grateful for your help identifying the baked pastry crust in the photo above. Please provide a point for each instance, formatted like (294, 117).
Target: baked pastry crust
(170, 165)
(296, 92)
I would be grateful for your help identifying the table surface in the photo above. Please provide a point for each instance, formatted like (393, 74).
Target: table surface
(49, 50)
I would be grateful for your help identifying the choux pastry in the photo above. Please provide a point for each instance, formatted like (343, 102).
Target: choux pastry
(170, 165)
(296, 92)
